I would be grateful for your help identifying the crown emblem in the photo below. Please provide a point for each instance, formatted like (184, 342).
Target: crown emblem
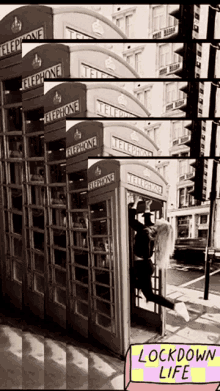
(57, 98)
(36, 63)
(134, 136)
(146, 172)
(122, 101)
(109, 64)
(97, 28)
(16, 25)
(98, 171)
(77, 135)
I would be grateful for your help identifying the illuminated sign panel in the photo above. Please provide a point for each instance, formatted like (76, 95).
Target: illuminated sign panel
(106, 180)
(61, 112)
(93, 73)
(107, 110)
(144, 184)
(74, 34)
(131, 149)
(15, 45)
(82, 147)
(38, 78)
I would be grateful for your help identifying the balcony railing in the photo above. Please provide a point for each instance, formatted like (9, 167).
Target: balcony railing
(166, 32)
(170, 69)
(181, 140)
(177, 104)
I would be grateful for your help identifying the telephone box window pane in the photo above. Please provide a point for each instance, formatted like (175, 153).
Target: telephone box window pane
(82, 309)
(38, 283)
(38, 241)
(60, 278)
(35, 120)
(102, 277)
(80, 239)
(37, 171)
(79, 220)
(81, 275)
(38, 218)
(59, 238)
(1, 148)
(103, 292)
(78, 180)
(5, 197)
(37, 195)
(12, 90)
(82, 292)
(57, 173)
(60, 258)
(6, 222)
(60, 296)
(103, 321)
(15, 146)
(56, 150)
(16, 198)
(102, 244)
(58, 196)
(18, 248)
(17, 223)
(7, 244)
(16, 173)
(35, 146)
(98, 210)
(39, 263)
(103, 307)
(81, 257)
(99, 227)
(79, 200)
(2, 167)
(18, 271)
(59, 217)
(14, 119)
(102, 260)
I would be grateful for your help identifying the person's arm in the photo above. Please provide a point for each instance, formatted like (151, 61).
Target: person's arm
(134, 224)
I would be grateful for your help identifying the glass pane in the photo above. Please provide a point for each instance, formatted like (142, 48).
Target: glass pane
(39, 263)
(13, 119)
(56, 150)
(35, 146)
(102, 244)
(5, 200)
(99, 227)
(17, 248)
(35, 120)
(81, 257)
(57, 173)
(82, 292)
(16, 198)
(6, 222)
(102, 292)
(17, 271)
(78, 180)
(80, 239)
(102, 277)
(81, 275)
(16, 173)
(59, 217)
(15, 147)
(103, 321)
(60, 296)
(37, 171)
(7, 244)
(82, 308)
(104, 308)
(60, 258)
(39, 283)
(38, 218)
(60, 278)
(12, 90)
(98, 210)
(58, 196)
(37, 195)
(17, 223)
(59, 238)
(79, 200)
(38, 240)
(103, 260)
(2, 167)
(79, 220)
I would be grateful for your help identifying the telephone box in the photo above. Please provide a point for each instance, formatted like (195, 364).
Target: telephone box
(119, 314)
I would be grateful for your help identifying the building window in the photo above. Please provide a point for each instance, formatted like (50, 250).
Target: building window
(183, 224)
(135, 60)
(170, 92)
(159, 20)
(176, 129)
(164, 55)
(144, 97)
(203, 219)
(125, 21)
(189, 197)
(129, 25)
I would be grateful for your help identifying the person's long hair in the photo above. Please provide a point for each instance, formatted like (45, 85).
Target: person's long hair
(164, 243)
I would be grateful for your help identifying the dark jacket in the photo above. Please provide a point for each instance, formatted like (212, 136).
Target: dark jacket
(144, 243)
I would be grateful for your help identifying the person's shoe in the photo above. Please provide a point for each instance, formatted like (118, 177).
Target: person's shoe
(181, 310)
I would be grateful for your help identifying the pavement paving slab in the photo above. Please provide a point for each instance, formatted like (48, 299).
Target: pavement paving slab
(32, 361)
(54, 365)
(10, 357)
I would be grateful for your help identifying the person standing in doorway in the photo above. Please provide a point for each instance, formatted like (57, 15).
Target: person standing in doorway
(152, 236)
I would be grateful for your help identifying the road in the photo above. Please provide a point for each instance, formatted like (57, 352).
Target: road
(193, 277)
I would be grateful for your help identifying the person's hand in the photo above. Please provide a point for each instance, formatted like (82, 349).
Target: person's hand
(137, 199)
(147, 205)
